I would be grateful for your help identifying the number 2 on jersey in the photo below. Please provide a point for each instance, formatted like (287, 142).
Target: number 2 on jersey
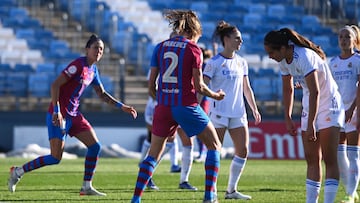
(167, 78)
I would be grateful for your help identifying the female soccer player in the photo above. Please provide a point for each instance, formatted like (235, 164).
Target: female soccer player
(323, 110)
(346, 72)
(178, 62)
(64, 117)
(228, 71)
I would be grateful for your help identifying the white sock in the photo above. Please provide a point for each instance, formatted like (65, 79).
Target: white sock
(343, 163)
(174, 153)
(354, 170)
(144, 149)
(236, 169)
(330, 190)
(186, 163)
(87, 184)
(312, 191)
(19, 171)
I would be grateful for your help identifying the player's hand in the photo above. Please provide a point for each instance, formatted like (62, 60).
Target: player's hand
(129, 109)
(57, 119)
(257, 117)
(220, 94)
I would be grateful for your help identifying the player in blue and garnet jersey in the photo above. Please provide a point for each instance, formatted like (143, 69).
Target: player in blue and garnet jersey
(64, 117)
(178, 62)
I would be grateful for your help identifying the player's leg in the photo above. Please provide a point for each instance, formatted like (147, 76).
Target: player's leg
(343, 160)
(186, 161)
(173, 150)
(313, 160)
(148, 165)
(240, 138)
(329, 139)
(353, 151)
(90, 140)
(57, 142)
(194, 121)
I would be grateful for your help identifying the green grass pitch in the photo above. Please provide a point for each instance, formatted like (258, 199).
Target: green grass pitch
(265, 180)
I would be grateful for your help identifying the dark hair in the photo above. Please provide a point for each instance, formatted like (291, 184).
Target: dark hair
(93, 38)
(223, 29)
(275, 39)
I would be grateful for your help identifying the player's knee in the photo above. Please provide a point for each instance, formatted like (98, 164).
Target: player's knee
(95, 148)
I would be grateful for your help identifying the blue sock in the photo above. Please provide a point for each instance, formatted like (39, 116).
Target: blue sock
(40, 162)
(212, 165)
(91, 159)
(145, 172)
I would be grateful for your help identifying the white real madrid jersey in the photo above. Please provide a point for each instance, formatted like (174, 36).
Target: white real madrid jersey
(304, 62)
(346, 73)
(227, 74)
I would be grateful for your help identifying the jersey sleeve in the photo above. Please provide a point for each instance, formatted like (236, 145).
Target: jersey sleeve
(73, 69)
(198, 58)
(154, 58)
(209, 69)
(96, 80)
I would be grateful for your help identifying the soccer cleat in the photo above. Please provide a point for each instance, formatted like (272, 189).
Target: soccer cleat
(348, 199)
(151, 185)
(13, 179)
(175, 169)
(187, 186)
(237, 195)
(90, 191)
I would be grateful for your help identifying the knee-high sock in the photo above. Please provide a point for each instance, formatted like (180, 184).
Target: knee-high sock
(354, 170)
(212, 165)
(330, 190)
(236, 169)
(145, 172)
(174, 153)
(343, 163)
(91, 159)
(186, 163)
(38, 163)
(144, 149)
(312, 191)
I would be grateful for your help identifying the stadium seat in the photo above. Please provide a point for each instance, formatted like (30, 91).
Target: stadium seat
(3, 88)
(32, 57)
(47, 68)
(5, 67)
(26, 68)
(108, 83)
(17, 44)
(11, 57)
(17, 83)
(39, 85)
(6, 33)
(263, 88)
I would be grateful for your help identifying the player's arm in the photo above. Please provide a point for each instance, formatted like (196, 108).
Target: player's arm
(250, 98)
(202, 88)
(109, 99)
(152, 82)
(55, 92)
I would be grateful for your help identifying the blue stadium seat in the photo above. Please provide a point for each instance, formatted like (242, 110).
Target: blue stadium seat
(25, 33)
(108, 83)
(3, 88)
(17, 83)
(5, 67)
(39, 85)
(26, 68)
(263, 88)
(47, 68)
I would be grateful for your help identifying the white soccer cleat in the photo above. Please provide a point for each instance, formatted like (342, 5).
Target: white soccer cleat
(237, 195)
(90, 191)
(13, 179)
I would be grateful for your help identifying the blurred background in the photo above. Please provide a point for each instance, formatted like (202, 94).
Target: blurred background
(38, 38)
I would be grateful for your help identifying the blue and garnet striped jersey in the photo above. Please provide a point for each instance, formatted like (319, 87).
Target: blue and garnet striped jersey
(176, 58)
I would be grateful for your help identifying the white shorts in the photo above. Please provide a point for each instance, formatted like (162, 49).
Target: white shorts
(350, 126)
(226, 122)
(324, 119)
(149, 111)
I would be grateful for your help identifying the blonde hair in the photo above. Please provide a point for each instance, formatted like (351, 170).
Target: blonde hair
(356, 30)
(184, 21)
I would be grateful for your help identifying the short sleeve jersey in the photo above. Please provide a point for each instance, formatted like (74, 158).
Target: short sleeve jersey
(346, 73)
(80, 75)
(176, 58)
(305, 61)
(227, 74)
